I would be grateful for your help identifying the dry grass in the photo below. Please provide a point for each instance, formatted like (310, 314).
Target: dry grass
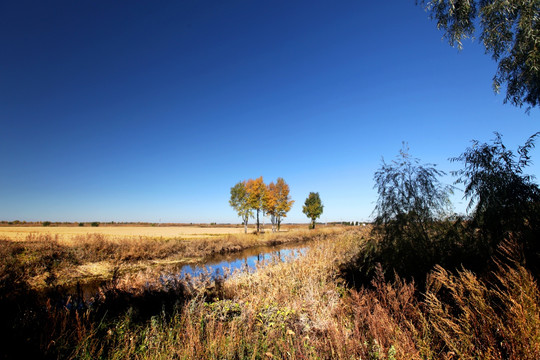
(302, 310)
(61, 259)
(476, 319)
(70, 234)
(270, 313)
(66, 233)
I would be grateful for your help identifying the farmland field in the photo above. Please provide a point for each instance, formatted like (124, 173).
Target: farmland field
(70, 254)
(64, 232)
(19, 233)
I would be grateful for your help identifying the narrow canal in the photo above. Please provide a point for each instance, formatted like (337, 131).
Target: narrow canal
(247, 260)
(217, 266)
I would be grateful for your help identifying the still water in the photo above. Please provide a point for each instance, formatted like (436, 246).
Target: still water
(219, 265)
(247, 260)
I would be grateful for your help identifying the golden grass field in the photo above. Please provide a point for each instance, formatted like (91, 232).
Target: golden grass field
(302, 309)
(72, 253)
(63, 232)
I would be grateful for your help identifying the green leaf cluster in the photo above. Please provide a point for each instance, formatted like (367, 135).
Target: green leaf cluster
(509, 31)
(240, 201)
(506, 201)
(411, 223)
(313, 207)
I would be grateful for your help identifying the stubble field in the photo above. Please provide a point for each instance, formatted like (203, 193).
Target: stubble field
(167, 232)
(68, 254)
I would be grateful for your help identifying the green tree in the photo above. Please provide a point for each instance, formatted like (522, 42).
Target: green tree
(506, 201)
(313, 208)
(509, 31)
(410, 195)
(410, 216)
(240, 202)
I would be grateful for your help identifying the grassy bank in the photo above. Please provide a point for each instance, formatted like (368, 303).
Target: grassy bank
(308, 313)
(51, 260)
(302, 309)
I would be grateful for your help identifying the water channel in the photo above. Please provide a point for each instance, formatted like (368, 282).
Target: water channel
(247, 260)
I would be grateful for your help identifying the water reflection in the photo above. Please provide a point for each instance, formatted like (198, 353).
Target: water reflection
(245, 261)
(242, 263)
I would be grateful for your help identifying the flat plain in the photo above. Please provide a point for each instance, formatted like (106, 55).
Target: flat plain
(21, 233)
(70, 254)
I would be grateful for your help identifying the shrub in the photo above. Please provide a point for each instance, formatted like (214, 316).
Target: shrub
(95, 224)
(506, 201)
(411, 232)
(478, 319)
(46, 223)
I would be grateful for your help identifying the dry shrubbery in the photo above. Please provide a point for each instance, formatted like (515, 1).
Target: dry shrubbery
(232, 320)
(301, 309)
(48, 260)
(497, 319)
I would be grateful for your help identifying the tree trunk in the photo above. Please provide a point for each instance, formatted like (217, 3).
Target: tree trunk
(278, 223)
(313, 223)
(245, 226)
(258, 228)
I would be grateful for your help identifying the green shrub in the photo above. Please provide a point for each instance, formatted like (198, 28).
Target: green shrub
(506, 201)
(411, 232)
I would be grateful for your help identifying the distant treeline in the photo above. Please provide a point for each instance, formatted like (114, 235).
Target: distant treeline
(348, 223)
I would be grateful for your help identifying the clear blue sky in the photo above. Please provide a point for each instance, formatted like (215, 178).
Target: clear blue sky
(151, 111)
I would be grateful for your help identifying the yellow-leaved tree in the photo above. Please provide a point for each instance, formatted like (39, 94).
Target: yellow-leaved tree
(257, 197)
(278, 202)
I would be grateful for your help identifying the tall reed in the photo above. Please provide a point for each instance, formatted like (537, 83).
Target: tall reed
(302, 309)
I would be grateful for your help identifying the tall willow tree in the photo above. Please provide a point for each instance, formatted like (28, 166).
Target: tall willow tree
(505, 200)
(410, 209)
(509, 31)
(410, 197)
